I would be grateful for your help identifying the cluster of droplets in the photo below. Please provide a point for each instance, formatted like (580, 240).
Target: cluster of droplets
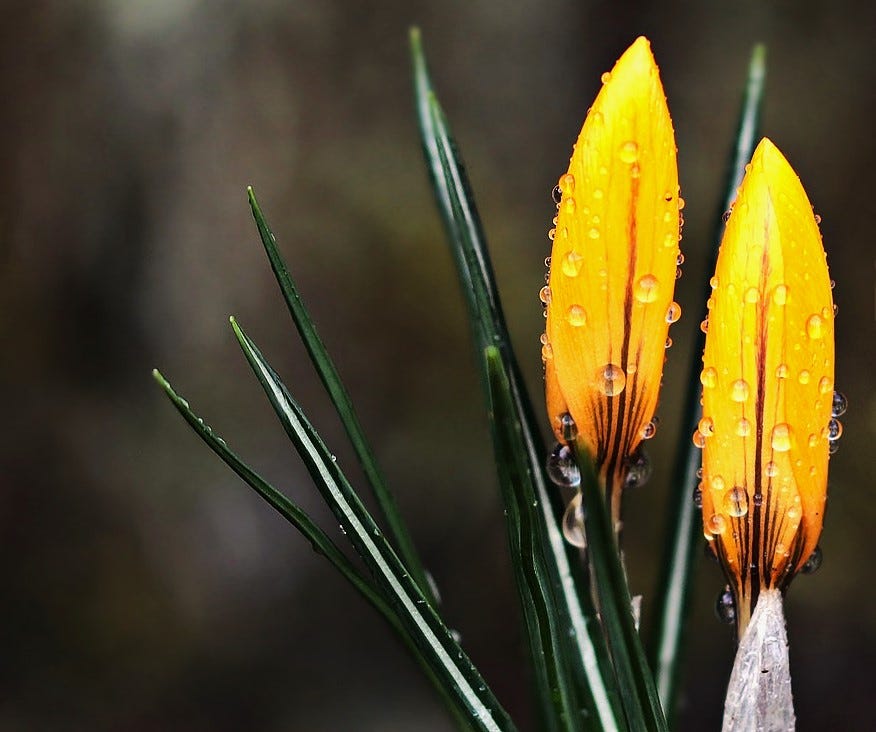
(564, 472)
(834, 429)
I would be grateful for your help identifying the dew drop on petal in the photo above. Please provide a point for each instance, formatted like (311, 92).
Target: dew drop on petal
(561, 467)
(735, 502)
(673, 313)
(781, 437)
(552, 234)
(825, 385)
(713, 282)
(782, 371)
(629, 152)
(706, 427)
(832, 447)
(544, 294)
(757, 499)
(567, 184)
(638, 469)
(569, 205)
(610, 379)
(839, 406)
(725, 607)
(709, 377)
(815, 327)
(743, 427)
(752, 295)
(717, 524)
(717, 483)
(646, 288)
(739, 390)
(593, 233)
(698, 497)
(780, 294)
(698, 439)
(771, 470)
(812, 564)
(649, 430)
(804, 377)
(572, 264)
(576, 315)
(573, 522)
(606, 77)
(557, 194)
(834, 430)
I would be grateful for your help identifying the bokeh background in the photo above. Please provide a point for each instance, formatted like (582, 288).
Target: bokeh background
(144, 586)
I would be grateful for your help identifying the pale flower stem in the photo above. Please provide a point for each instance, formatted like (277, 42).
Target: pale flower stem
(759, 695)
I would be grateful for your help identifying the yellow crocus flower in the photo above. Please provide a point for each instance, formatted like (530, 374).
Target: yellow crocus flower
(613, 269)
(767, 385)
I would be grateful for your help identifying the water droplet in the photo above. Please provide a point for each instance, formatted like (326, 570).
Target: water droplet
(717, 524)
(680, 203)
(793, 512)
(834, 430)
(780, 294)
(706, 427)
(739, 390)
(668, 342)
(610, 379)
(771, 470)
(832, 284)
(815, 327)
(573, 523)
(735, 502)
(725, 217)
(569, 205)
(557, 194)
(629, 152)
(713, 283)
(817, 219)
(567, 184)
(562, 469)
(757, 499)
(839, 406)
(678, 273)
(638, 469)
(781, 437)
(832, 447)
(709, 377)
(576, 315)
(673, 313)
(704, 325)
(646, 288)
(552, 234)
(698, 440)
(812, 564)
(568, 428)
(606, 77)
(752, 295)
(547, 263)
(698, 497)
(593, 233)
(649, 430)
(804, 377)
(547, 352)
(679, 260)
(669, 240)
(782, 371)
(717, 483)
(813, 439)
(825, 385)
(597, 193)
(743, 427)
(572, 264)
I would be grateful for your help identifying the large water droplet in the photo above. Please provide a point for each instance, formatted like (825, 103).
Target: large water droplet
(812, 564)
(673, 313)
(557, 194)
(606, 77)
(735, 502)
(781, 437)
(576, 315)
(568, 428)
(646, 288)
(839, 406)
(725, 607)
(815, 327)
(610, 379)
(629, 152)
(573, 522)
(739, 390)
(562, 469)
(638, 469)
(572, 264)
(709, 377)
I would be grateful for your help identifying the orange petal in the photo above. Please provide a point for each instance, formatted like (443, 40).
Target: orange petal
(767, 383)
(613, 265)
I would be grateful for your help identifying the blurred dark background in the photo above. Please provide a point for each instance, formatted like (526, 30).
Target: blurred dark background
(144, 586)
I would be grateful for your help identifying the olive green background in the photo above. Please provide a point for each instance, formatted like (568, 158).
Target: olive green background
(144, 586)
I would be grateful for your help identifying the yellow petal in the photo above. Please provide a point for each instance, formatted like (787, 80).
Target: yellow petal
(613, 266)
(767, 383)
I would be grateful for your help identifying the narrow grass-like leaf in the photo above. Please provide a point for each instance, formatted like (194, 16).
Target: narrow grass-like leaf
(319, 540)
(434, 640)
(635, 681)
(582, 645)
(684, 527)
(330, 378)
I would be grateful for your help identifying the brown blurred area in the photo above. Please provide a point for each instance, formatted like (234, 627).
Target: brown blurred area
(144, 586)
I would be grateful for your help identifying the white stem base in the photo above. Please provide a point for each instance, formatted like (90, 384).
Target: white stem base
(759, 695)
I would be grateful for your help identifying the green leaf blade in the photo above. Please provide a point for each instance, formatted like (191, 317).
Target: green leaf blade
(331, 380)
(469, 692)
